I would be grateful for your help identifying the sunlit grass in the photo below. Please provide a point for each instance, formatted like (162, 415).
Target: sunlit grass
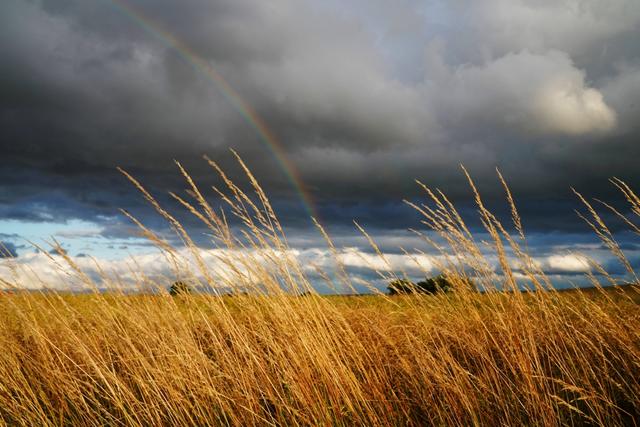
(278, 353)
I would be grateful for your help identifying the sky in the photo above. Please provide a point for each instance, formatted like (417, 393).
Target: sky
(337, 108)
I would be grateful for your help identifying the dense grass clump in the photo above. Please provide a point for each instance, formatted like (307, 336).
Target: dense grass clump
(273, 352)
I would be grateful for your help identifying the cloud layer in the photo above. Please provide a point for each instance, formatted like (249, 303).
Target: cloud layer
(231, 269)
(363, 97)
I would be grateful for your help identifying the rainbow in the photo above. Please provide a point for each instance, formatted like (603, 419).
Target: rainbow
(250, 116)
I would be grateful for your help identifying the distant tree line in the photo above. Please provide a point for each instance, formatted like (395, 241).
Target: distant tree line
(432, 285)
(180, 288)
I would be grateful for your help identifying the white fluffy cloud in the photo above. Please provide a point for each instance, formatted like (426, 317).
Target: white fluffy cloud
(535, 93)
(568, 263)
(412, 264)
(242, 268)
(36, 270)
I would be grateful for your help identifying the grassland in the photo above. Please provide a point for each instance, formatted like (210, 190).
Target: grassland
(502, 357)
(545, 359)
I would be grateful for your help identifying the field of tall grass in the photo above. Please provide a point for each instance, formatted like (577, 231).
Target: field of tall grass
(274, 352)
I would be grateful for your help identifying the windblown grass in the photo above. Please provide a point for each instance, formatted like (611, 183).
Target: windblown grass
(278, 353)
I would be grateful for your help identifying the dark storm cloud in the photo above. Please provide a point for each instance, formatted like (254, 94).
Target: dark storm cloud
(8, 250)
(365, 97)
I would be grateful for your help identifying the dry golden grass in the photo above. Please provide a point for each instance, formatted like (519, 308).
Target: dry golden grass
(273, 357)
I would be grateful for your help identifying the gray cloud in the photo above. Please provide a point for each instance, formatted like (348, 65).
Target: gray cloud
(8, 250)
(364, 97)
